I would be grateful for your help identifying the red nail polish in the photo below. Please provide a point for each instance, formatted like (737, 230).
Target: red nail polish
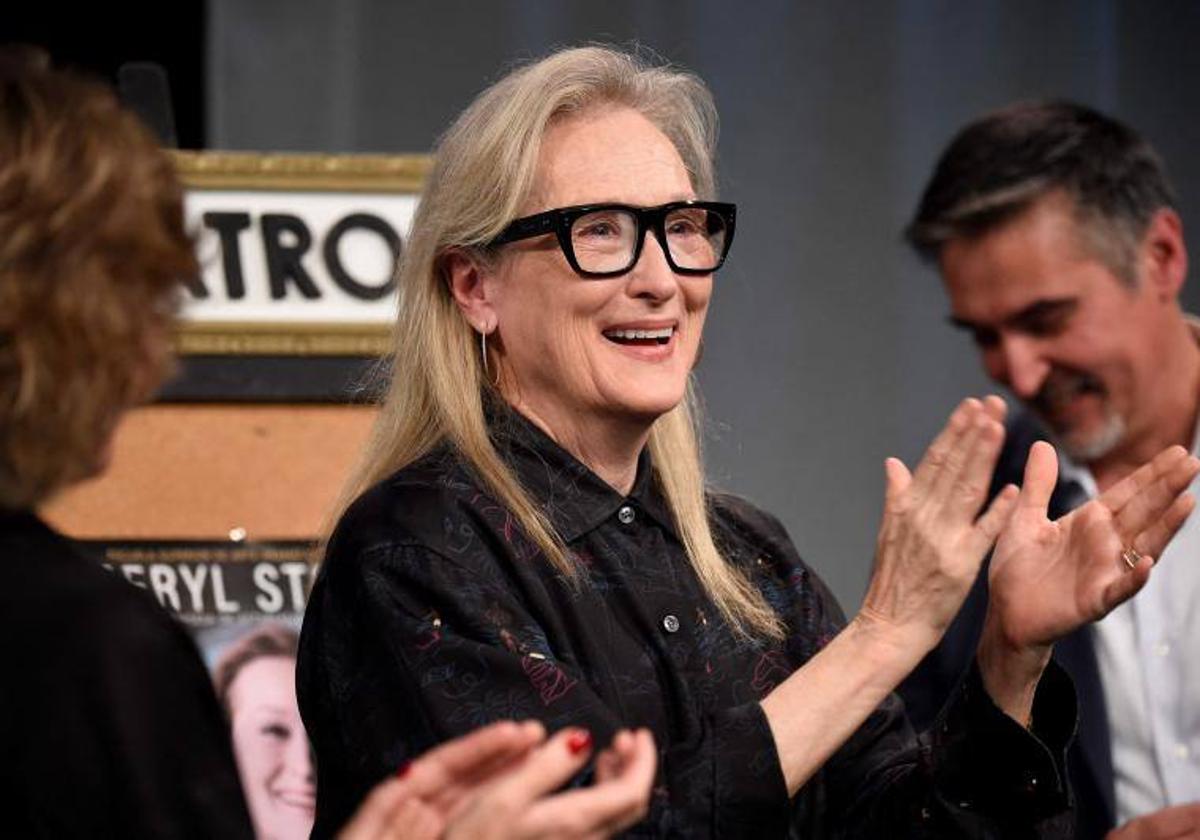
(579, 741)
(403, 769)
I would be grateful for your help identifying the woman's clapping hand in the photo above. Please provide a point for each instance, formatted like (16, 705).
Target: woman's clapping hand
(498, 783)
(932, 539)
(1047, 578)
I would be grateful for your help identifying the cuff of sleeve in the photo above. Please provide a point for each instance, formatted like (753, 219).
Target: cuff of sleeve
(751, 794)
(993, 764)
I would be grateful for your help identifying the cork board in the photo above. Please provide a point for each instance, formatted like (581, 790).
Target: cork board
(203, 471)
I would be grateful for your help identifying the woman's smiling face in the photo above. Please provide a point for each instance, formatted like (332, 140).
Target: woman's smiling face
(272, 749)
(568, 346)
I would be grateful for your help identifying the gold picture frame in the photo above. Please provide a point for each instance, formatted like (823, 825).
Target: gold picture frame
(261, 171)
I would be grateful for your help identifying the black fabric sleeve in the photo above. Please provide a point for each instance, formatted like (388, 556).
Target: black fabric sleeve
(975, 773)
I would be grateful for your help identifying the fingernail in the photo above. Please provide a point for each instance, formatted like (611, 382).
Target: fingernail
(403, 769)
(579, 741)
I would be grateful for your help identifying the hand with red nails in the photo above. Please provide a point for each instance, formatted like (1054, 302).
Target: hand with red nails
(1048, 578)
(415, 803)
(499, 782)
(522, 805)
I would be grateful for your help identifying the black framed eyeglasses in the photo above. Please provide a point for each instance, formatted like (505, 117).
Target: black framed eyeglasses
(605, 240)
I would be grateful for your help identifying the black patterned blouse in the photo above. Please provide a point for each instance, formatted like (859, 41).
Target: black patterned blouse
(434, 615)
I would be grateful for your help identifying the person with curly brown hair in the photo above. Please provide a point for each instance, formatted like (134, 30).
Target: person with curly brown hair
(108, 724)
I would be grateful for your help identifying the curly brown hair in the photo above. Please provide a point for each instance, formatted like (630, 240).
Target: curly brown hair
(93, 250)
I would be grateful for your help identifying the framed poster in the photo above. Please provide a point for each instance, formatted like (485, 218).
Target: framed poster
(296, 294)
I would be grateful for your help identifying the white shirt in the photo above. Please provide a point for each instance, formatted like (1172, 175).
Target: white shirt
(1148, 651)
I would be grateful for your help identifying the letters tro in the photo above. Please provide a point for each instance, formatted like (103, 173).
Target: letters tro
(285, 240)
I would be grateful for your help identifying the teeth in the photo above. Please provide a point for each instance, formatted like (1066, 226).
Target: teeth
(665, 332)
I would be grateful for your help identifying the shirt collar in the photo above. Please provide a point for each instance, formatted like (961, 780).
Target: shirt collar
(574, 498)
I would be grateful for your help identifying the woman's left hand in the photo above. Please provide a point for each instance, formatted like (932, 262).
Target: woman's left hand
(500, 783)
(417, 802)
(1049, 578)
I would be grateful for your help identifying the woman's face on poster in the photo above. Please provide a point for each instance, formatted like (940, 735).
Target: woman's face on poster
(272, 748)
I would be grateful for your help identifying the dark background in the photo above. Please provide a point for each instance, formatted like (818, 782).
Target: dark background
(100, 38)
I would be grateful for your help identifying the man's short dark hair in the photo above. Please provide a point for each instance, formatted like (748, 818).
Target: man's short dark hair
(998, 165)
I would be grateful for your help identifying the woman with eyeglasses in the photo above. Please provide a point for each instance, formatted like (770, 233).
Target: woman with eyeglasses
(530, 534)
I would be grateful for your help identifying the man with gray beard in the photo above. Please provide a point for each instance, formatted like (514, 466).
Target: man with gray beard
(1055, 233)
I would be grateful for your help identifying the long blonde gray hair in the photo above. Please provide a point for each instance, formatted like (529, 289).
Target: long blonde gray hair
(484, 172)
